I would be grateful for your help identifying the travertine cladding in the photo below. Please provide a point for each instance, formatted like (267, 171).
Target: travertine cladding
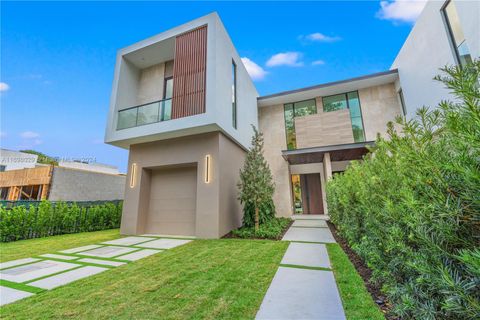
(150, 86)
(379, 106)
(324, 129)
(271, 123)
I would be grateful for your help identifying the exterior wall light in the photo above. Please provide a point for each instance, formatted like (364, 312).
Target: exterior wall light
(208, 163)
(133, 175)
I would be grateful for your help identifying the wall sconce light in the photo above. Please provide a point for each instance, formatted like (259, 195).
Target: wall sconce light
(133, 175)
(208, 162)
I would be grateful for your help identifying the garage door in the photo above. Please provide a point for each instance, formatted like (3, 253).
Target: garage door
(173, 195)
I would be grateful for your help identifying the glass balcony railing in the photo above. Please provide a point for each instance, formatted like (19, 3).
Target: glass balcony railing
(145, 114)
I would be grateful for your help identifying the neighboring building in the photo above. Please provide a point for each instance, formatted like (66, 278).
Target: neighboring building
(58, 183)
(89, 166)
(13, 160)
(183, 104)
(446, 33)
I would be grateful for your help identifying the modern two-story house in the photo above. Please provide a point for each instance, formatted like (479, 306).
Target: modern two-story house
(183, 104)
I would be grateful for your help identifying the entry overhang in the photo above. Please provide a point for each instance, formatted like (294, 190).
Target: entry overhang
(340, 152)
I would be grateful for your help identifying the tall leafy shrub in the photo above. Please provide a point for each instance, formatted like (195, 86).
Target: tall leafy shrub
(411, 209)
(49, 219)
(256, 185)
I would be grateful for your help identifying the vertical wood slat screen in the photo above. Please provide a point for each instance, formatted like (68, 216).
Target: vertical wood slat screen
(189, 73)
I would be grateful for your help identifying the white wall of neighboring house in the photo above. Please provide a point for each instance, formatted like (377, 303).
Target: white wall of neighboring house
(14, 160)
(428, 48)
(93, 167)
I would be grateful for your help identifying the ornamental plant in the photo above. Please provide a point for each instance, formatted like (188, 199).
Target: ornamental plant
(411, 208)
(256, 185)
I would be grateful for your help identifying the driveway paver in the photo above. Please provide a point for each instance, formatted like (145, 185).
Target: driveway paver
(43, 273)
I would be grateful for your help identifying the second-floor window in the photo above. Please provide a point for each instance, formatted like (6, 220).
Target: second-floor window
(234, 95)
(292, 110)
(455, 33)
(349, 101)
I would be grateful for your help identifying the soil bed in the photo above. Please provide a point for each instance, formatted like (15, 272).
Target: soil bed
(278, 236)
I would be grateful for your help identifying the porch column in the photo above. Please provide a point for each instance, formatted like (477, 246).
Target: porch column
(327, 166)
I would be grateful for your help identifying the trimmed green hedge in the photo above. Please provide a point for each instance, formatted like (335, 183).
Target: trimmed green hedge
(411, 209)
(52, 218)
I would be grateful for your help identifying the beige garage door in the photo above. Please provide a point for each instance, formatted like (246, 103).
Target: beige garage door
(173, 195)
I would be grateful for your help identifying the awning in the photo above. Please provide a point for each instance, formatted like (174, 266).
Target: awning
(340, 152)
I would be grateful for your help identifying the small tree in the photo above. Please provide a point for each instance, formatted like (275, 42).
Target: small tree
(256, 185)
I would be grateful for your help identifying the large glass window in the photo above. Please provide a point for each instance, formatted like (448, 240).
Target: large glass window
(456, 35)
(349, 101)
(234, 95)
(292, 110)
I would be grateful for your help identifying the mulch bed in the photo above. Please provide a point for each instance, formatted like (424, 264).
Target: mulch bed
(230, 235)
(366, 274)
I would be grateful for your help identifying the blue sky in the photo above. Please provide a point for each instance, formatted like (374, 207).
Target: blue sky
(57, 58)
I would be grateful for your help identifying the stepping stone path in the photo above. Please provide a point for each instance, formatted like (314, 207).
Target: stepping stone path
(26, 277)
(304, 286)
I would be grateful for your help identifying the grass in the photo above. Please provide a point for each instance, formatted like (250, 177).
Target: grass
(357, 301)
(32, 247)
(204, 279)
(272, 229)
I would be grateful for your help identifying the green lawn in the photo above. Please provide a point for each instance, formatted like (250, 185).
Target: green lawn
(205, 279)
(27, 248)
(357, 301)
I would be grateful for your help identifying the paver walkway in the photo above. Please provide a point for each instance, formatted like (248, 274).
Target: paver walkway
(25, 277)
(304, 286)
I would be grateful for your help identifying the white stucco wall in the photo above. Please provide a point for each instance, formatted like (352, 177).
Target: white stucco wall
(428, 48)
(14, 160)
(218, 116)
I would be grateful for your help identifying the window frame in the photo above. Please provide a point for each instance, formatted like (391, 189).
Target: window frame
(293, 112)
(348, 107)
(451, 38)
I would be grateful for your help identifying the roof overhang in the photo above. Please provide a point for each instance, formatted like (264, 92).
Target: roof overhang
(330, 88)
(340, 152)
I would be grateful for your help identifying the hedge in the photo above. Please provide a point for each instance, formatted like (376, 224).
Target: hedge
(411, 209)
(47, 218)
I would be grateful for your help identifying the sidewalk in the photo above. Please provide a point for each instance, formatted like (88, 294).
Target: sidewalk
(304, 286)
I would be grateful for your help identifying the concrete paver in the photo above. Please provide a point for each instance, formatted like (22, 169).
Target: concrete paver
(80, 249)
(58, 256)
(18, 262)
(307, 254)
(35, 270)
(107, 251)
(67, 277)
(163, 243)
(309, 235)
(103, 262)
(139, 254)
(128, 241)
(302, 294)
(9, 295)
(310, 223)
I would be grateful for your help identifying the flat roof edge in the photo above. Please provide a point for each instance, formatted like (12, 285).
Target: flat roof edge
(329, 84)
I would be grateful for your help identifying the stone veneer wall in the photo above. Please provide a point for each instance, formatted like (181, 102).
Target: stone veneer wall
(379, 106)
(271, 123)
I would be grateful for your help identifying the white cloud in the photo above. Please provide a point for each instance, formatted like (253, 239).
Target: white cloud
(29, 135)
(3, 134)
(290, 59)
(254, 70)
(318, 63)
(320, 37)
(97, 141)
(4, 86)
(401, 10)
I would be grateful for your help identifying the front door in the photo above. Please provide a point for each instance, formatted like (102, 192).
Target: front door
(312, 202)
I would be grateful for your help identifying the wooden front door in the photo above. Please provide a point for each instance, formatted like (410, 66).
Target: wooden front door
(312, 202)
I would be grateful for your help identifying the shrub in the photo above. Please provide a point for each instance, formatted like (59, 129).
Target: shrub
(256, 185)
(272, 229)
(48, 219)
(411, 209)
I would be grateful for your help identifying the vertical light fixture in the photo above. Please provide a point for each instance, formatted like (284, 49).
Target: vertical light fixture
(208, 162)
(133, 174)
